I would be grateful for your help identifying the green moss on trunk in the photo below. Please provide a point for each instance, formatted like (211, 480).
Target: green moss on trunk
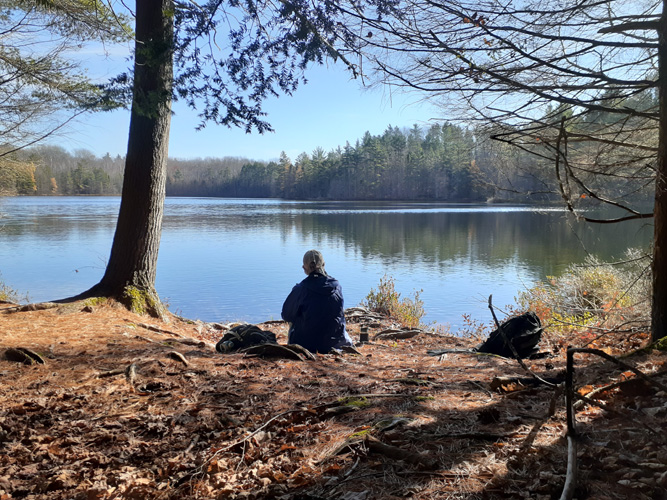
(660, 344)
(143, 302)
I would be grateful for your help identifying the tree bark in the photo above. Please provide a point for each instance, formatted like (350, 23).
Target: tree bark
(659, 299)
(134, 253)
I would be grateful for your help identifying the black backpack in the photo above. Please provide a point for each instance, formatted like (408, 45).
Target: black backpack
(244, 336)
(524, 332)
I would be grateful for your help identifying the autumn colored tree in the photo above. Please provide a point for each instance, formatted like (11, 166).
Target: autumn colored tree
(16, 177)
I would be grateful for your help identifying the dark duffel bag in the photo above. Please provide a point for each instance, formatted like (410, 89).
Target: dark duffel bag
(524, 332)
(244, 336)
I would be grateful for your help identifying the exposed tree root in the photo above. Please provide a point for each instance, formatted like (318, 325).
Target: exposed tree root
(136, 299)
(23, 355)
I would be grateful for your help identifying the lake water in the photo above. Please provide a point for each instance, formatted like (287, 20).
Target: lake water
(237, 259)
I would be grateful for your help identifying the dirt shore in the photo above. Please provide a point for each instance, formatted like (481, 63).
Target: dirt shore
(125, 406)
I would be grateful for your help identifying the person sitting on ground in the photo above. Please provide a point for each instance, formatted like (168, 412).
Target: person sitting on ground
(315, 310)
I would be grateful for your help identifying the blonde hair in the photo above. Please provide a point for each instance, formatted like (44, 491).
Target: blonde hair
(314, 262)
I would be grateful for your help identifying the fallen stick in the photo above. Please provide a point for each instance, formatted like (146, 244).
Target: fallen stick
(193, 342)
(159, 330)
(37, 306)
(175, 355)
(571, 471)
(611, 386)
(112, 373)
(380, 395)
(571, 475)
(401, 334)
(145, 339)
(620, 363)
(570, 396)
(396, 453)
(611, 410)
(128, 371)
(441, 353)
(273, 322)
(498, 382)
(485, 436)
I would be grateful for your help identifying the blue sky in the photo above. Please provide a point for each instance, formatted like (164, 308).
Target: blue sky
(328, 111)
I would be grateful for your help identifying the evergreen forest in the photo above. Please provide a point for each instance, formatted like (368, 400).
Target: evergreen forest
(441, 162)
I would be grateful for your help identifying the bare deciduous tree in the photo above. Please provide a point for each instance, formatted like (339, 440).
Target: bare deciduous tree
(580, 84)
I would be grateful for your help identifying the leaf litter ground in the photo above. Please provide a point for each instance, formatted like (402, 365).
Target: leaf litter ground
(130, 407)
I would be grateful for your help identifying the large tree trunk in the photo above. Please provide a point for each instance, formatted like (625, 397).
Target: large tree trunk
(659, 303)
(131, 270)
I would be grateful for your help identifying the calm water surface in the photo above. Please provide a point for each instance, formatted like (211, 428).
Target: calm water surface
(224, 260)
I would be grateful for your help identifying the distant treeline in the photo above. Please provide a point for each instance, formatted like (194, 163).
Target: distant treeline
(51, 170)
(443, 162)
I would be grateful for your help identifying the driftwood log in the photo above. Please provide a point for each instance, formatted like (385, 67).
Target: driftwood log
(37, 306)
(392, 334)
(361, 314)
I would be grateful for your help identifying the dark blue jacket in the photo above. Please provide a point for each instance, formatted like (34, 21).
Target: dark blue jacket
(315, 309)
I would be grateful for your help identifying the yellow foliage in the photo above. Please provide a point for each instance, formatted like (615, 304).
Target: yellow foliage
(588, 297)
(386, 300)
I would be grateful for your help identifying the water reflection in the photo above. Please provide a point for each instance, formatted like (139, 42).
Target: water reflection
(237, 259)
